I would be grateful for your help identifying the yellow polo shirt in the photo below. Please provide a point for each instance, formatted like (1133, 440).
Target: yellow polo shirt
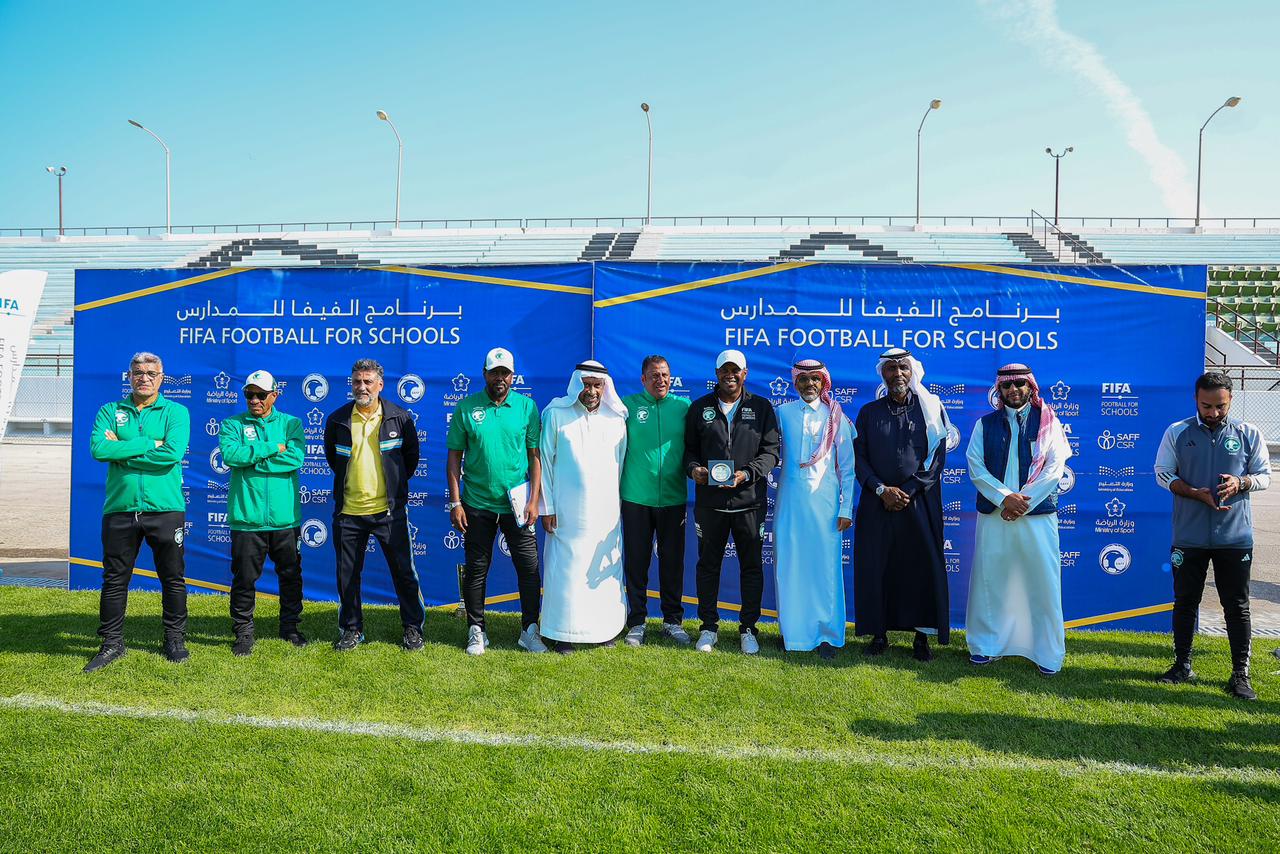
(365, 492)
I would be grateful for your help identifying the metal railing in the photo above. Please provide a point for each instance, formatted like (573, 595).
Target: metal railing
(1048, 230)
(636, 222)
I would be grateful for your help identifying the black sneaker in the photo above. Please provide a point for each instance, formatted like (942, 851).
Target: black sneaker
(107, 654)
(243, 645)
(350, 640)
(1179, 673)
(563, 647)
(175, 650)
(920, 648)
(826, 651)
(1238, 686)
(412, 639)
(294, 637)
(877, 646)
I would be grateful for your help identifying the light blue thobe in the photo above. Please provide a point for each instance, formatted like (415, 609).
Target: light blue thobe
(1015, 589)
(808, 566)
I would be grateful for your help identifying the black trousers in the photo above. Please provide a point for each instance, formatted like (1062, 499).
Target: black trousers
(249, 551)
(122, 537)
(640, 524)
(1231, 577)
(482, 529)
(350, 539)
(714, 529)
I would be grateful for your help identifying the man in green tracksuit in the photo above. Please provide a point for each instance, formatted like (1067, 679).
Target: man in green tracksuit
(654, 492)
(143, 438)
(264, 448)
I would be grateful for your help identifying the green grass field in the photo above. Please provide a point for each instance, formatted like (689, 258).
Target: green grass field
(613, 749)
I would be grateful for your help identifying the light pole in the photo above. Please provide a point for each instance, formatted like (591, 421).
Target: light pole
(648, 198)
(399, 159)
(1057, 174)
(58, 172)
(168, 220)
(933, 105)
(1230, 102)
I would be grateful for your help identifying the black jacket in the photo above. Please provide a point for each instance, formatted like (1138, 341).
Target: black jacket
(754, 448)
(398, 440)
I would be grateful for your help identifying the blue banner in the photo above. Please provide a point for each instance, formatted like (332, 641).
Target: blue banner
(1116, 350)
(430, 331)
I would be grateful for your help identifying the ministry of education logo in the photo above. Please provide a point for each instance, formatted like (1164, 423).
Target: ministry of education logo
(315, 533)
(1114, 559)
(411, 388)
(315, 387)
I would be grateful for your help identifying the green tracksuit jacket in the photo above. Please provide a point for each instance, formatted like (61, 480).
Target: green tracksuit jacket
(143, 477)
(264, 479)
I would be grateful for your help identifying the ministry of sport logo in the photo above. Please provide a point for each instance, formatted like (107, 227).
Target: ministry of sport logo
(315, 533)
(411, 388)
(216, 462)
(779, 387)
(222, 392)
(1114, 559)
(315, 387)
(1060, 399)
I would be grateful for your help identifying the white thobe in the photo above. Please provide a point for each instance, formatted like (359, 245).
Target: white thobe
(1015, 588)
(583, 592)
(808, 567)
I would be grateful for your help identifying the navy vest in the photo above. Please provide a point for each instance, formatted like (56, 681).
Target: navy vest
(996, 437)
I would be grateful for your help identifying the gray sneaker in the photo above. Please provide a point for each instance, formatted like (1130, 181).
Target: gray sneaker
(476, 641)
(707, 641)
(749, 643)
(676, 632)
(531, 641)
(634, 636)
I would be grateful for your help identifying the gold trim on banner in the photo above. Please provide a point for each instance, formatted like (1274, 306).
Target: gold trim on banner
(484, 280)
(1079, 280)
(702, 283)
(146, 573)
(1119, 615)
(157, 289)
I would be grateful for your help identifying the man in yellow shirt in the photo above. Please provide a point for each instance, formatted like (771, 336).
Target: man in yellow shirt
(372, 446)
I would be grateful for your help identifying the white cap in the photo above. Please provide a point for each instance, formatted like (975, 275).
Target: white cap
(734, 356)
(262, 380)
(500, 358)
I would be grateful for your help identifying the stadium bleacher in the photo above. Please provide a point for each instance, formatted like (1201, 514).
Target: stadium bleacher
(1244, 287)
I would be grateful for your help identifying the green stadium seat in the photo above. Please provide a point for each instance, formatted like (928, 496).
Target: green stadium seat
(1237, 275)
(1253, 276)
(1215, 289)
(1248, 291)
(1271, 275)
(1231, 290)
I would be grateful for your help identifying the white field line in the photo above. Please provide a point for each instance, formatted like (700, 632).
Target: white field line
(1065, 767)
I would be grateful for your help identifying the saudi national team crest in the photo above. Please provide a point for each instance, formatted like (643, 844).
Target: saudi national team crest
(477, 415)
(251, 432)
(708, 414)
(1176, 558)
(178, 536)
(1231, 444)
(642, 415)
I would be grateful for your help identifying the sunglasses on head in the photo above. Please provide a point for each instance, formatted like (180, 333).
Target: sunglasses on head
(257, 395)
(1008, 384)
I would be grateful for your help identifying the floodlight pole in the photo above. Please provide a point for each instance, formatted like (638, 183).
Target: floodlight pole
(168, 219)
(933, 105)
(1230, 102)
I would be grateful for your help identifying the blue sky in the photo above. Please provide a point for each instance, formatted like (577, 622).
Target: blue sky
(532, 109)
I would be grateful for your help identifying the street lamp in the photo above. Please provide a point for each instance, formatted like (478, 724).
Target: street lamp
(58, 172)
(933, 105)
(168, 221)
(1057, 165)
(648, 199)
(399, 159)
(1230, 102)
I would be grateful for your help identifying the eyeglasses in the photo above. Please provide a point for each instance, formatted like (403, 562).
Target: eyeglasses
(257, 395)
(1008, 384)
(151, 375)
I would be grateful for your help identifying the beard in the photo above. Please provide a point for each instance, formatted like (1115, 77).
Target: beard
(810, 396)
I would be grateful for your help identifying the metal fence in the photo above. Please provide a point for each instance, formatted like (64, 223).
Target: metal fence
(1020, 221)
(42, 406)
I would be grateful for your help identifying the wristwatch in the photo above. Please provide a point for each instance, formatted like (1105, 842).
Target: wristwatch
(880, 490)
(452, 504)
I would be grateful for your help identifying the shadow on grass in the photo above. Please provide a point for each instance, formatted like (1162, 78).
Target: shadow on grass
(1234, 745)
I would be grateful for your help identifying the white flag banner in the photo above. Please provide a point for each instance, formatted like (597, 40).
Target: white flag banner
(20, 292)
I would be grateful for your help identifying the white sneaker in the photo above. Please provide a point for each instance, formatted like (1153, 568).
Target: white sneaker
(749, 643)
(476, 641)
(707, 641)
(634, 636)
(531, 641)
(676, 632)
